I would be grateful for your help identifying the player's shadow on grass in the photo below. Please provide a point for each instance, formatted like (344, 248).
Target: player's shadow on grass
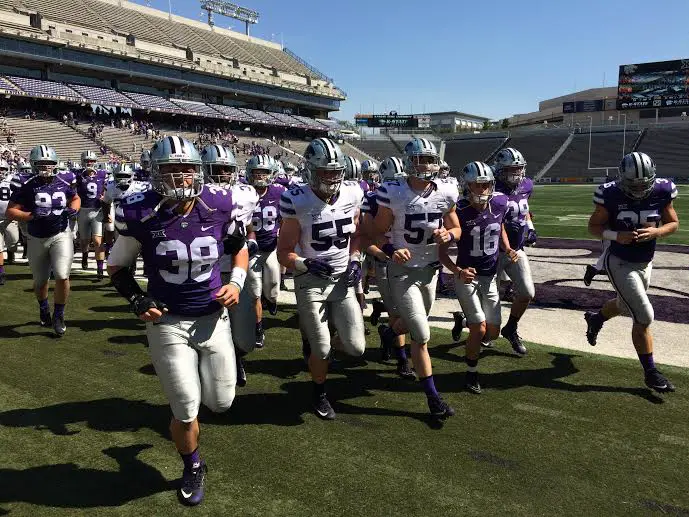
(131, 324)
(138, 339)
(15, 277)
(32, 329)
(547, 378)
(66, 485)
(108, 415)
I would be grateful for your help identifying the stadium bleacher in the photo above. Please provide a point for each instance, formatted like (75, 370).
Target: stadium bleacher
(462, 151)
(103, 96)
(196, 108)
(7, 86)
(153, 102)
(379, 148)
(669, 147)
(232, 112)
(606, 152)
(538, 148)
(45, 89)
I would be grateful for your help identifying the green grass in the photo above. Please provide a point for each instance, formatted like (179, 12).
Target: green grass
(555, 433)
(564, 210)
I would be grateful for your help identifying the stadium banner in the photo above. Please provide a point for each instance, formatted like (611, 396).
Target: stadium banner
(653, 85)
(583, 106)
(391, 120)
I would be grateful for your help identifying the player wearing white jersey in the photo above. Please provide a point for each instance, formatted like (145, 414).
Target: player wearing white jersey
(420, 214)
(322, 219)
(9, 230)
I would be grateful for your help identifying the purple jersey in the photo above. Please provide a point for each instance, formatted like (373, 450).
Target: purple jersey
(282, 179)
(55, 194)
(90, 188)
(517, 210)
(480, 241)
(627, 214)
(370, 204)
(181, 253)
(364, 186)
(266, 218)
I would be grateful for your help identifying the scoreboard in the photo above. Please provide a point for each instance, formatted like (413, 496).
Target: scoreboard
(653, 85)
(392, 120)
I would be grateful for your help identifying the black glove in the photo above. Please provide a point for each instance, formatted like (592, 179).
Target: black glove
(531, 237)
(353, 273)
(142, 302)
(253, 247)
(318, 268)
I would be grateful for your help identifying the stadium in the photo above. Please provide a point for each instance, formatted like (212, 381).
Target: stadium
(566, 429)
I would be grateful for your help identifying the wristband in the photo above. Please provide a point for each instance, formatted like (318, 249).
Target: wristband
(237, 277)
(299, 265)
(529, 224)
(609, 235)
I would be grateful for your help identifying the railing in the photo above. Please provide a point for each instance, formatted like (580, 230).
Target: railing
(320, 75)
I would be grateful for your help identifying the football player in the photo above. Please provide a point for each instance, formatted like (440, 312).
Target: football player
(391, 169)
(179, 227)
(510, 168)
(264, 269)
(353, 173)
(90, 187)
(419, 213)
(221, 169)
(23, 173)
(9, 230)
(144, 173)
(481, 214)
(322, 218)
(46, 201)
(632, 213)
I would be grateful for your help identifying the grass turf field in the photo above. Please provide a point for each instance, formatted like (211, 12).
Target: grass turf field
(83, 429)
(563, 211)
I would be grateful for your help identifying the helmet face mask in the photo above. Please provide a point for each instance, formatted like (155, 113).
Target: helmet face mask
(223, 175)
(43, 161)
(479, 193)
(637, 174)
(325, 166)
(513, 174)
(510, 166)
(328, 181)
(479, 183)
(44, 169)
(421, 159)
(123, 176)
(261, 170)
(261, 178)
(180, 181)
(637, 189)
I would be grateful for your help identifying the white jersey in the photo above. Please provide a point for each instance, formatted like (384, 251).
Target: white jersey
(113, 193)
(244, 199)
(5, 193)
(296, 181)
(416, 217)
(325, 229)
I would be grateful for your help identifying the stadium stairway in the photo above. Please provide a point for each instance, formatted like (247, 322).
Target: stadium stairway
(122, 140)
(377, 148)
(352, 151)
(68, 143)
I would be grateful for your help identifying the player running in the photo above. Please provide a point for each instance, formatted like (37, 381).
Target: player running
(322, 219)
(179, 228)
(90, 187)
(46, 201)
(419, 213)
(632, 213)
(481, 215)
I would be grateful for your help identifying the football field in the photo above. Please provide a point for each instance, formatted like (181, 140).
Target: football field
(564, 210)
(83, 428)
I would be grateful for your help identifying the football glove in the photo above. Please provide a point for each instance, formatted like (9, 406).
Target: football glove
(318, 268)
(531, 238)
(233, 243)
(253, 247)
(142, 303)
(353, 273)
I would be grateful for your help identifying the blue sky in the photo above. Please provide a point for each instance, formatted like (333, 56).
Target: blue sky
(493, 58)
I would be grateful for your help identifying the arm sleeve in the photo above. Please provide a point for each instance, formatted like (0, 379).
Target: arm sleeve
(124, 252)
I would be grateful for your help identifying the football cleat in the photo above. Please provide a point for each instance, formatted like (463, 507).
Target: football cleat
(366, 287)
(46, 320)
(440, 410)
(59, 325)
(472, 383)
(378, 309)
(322, 408)
(404, 371)
(2, 279)
(460, 323)
(241, 372)
(515, 341)
(260, 339)
(487, 344)
(84, 262)
(10, 257)
(589, 274)
(593, 326)
(193, 481)
(385, 346)
(658, 382)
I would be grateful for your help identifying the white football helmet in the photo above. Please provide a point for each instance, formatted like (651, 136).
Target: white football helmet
(369, 171)
(89, 160)
(478, 173)
(260, 171)
(421, 159)
(220, 165)
(325, 166)
(510, 166)
(444, 171)
(170, 151)
(637, 174)
(392, 169)
(44, 161)
(353, 168)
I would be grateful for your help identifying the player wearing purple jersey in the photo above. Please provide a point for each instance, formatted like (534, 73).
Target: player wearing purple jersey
(481, 217)
(91, 187)
(510, 168)
(264, 269)
(632, 213)
(46, 201)
(179, 228)
(9, 230)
